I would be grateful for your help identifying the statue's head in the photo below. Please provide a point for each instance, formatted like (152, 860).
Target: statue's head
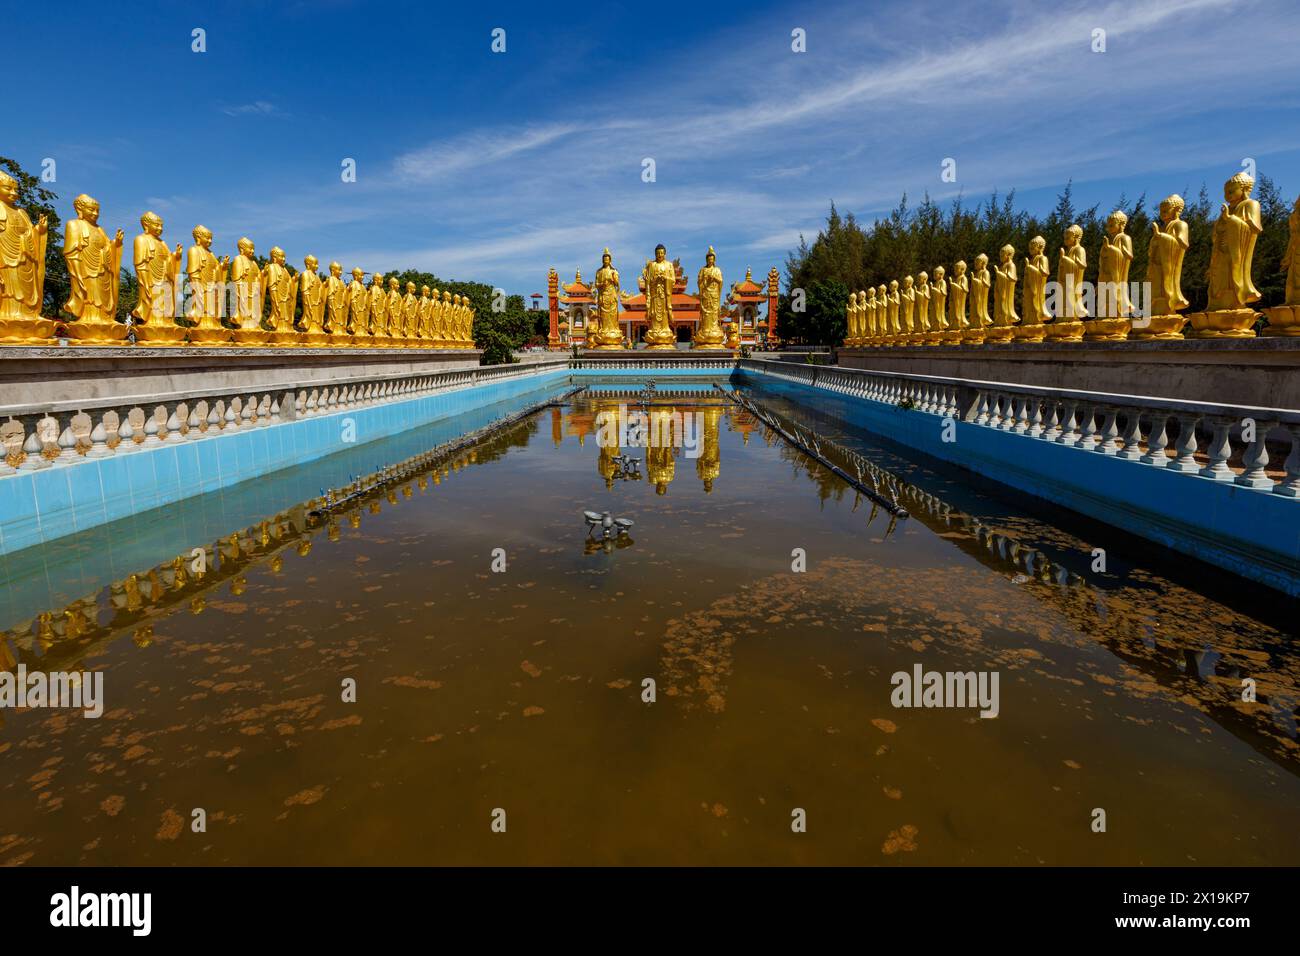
(202, 236)
(358, 274)
(393, 284)
(922, 278)
(446, 296)
(959, 267)
(1037, 245)
(245, 246)
(310, 263)
(853, 300)
(882, 289)
(424, 291)
(1116, 222)
(1171, 207)
(907, 282)
(456, 300)
(709, 257)
(660, 252)
(1238, 187)
(606, 258)
(661, 487)
(436, 294)
(336, 269)
(410, 288)
(938, 273)
(277, 255)
(87, 208)
(152, 223)
(893, 285)
(377, 281)
(1073, 234)
(981, 262)
(8, 188)
(1006, 252)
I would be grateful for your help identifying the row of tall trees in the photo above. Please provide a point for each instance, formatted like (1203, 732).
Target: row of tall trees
(501, 325)
(845, 256)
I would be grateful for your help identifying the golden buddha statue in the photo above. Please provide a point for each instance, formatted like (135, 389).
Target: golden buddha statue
(311, 325)
(469, 323)
(378, 325)
(411, 316)
(94, 266)
(872, 327)
(157, 270)
(709, 465)
(906, 312)
(981, 284)
(281, 294)
(1004, 297)
(358, 326)
(708, 282)
(458, 321)
(892, 308)
(921, 312)
(250, 297)
(444, 322)
(426, 318)
(206, 276)
(22, 271)
(1285, 319)
(1072, 260)
(1165, 251)
(958, 290)
(607, 334)
(938, 308)
(1232, 289)
(1113, 306)
(658, 279)
(336, 306)
(1033, 302)
(851, 320)
(394, 312)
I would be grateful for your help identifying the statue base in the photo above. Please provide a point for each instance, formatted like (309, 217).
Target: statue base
(1283, 320)
(1162, 327)
(160, 334)
(972, 336)
(999, 334)
(933, 338)
(1067, 330)
(952, 337)
(316, 340)
(33, 331)
(97, 333)
(1031, 333)
(286, 338)
(217, 336)
(1107, 330)
(1224, 324)
(251, 337)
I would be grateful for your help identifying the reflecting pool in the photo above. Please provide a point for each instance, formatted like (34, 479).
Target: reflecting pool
(500, 657)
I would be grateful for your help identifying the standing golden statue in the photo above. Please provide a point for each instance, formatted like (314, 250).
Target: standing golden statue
(426, 318)
(1113, 306)
(906, 309)
(394, 312)
(250, 297)
(607, 334)
(359, 309)
(921, 315)
(206, 276)
(444, 322)
(1165, 251)
(981, 285)
(378, 325)
(311, 325)
(22, 271)
(157, 271)
(336, 306)
(658, 279)
(1232, 289)
(958, 290)
(1033, 301)
(939, 308)
(708, 283)
(1285, 319)
(410, 316)
(1072, 260)
(873, 317)
(893, 306)
(1004, 297)
(94, 272)
(281, 293)
(851, 320)
(709, 465)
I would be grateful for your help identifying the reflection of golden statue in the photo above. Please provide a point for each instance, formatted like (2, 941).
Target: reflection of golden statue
(1285, 319)
(658, 278)
(1165, 252)
(607, 334)
(94, 265)
(709, 465)
(336, 306)
(157, 269)
(206, 275)
(1232, 289)
(709, 335)
(22, 271)
(661, 466)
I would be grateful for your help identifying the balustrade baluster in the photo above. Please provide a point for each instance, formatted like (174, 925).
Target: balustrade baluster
(1219, 451)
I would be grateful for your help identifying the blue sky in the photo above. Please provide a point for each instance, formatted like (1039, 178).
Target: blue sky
(487, 166)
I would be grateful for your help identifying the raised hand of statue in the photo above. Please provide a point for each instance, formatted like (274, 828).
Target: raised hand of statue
(42, 225)
(117, 238)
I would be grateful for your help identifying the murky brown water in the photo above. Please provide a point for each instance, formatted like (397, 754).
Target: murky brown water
(522, 690)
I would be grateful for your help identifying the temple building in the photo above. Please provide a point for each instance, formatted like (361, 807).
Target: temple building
(742, 306)
(579, 310)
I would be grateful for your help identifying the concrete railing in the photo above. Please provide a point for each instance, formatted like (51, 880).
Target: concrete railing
(1149, 432)
(65, 433)
(652, 365)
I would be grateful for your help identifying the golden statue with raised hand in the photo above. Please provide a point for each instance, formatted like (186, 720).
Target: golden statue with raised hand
(1285, 319)
(157, 271)
(444, 322)
(872, 330)
(708, 282)
(893, 304)
(1165, 251)
(939, 308)
(1232, 289)
(426, 318)
(359, 309)
(311, 325)
(981, 284)
(250, 297)
(851, 320)
(22, 271)
(394, 312)
(658, 279)
(336, 306)
(1004, 297)
(1033, 302)
(606, 286)
(908, 334)
(206, 275)
(410, 316)
(958, 290)
(378, 325)
(94, 268)
(921, 316)
(1113, 307)
(281, 293)
(1072, 260)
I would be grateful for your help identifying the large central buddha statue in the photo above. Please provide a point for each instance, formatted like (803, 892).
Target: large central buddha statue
(658, 278)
